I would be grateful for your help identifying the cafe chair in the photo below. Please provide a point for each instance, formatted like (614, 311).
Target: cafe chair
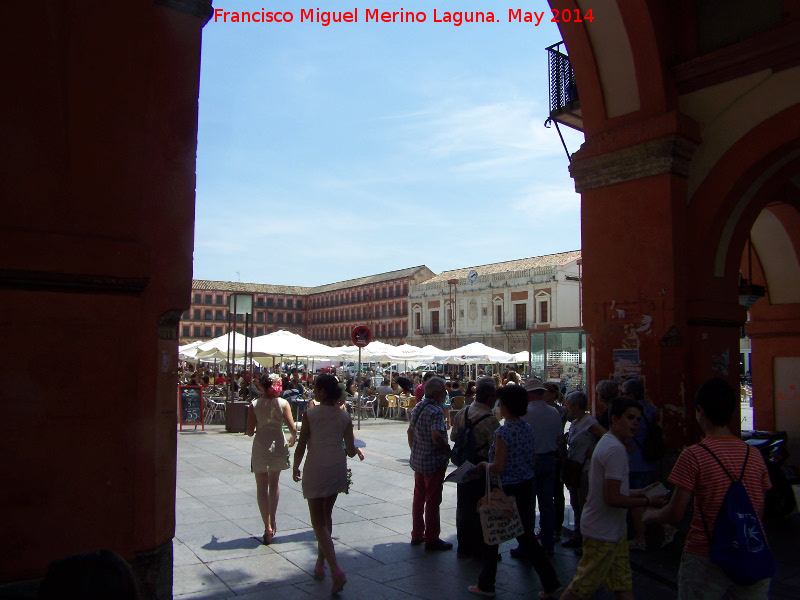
(214, 408)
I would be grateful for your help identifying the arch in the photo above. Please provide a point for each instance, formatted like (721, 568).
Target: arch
(737, 188)
(777, 255)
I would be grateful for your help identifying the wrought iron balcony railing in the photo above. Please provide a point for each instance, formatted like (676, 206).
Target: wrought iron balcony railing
(565, 105)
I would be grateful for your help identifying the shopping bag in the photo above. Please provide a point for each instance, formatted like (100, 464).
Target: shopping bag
(500, 520)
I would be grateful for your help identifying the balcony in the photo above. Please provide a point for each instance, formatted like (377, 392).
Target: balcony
(512, 326)
(565, 106)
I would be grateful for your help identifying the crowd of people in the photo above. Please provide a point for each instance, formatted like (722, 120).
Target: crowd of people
(518, 436)
(534, 442)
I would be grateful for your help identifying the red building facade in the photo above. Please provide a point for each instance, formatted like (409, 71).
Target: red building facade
(324, 313)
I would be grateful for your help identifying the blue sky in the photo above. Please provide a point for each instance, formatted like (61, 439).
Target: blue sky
(330, 153)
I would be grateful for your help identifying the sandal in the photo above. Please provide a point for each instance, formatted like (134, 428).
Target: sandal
(267, 537)
(474, 589)
(319, 571)
(339, 580)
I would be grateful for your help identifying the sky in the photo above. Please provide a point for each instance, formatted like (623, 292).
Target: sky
(331, 153)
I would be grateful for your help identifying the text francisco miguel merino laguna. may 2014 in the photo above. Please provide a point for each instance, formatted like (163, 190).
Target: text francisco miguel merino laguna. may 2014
(456, 18)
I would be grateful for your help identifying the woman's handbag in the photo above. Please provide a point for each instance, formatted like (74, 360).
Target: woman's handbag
(500, 519)
(571, 471)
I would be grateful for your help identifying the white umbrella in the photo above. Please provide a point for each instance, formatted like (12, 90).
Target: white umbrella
(286, 343)
(218, 347)
(478, 353)
(522, 357)
(189, 351)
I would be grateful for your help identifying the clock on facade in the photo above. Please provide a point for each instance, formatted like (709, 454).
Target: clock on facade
(473, 276)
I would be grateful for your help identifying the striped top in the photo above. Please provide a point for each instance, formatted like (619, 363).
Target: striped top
(698, 472)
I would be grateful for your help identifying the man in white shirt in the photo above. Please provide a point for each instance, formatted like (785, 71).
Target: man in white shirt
(545, 421)
(603, 524)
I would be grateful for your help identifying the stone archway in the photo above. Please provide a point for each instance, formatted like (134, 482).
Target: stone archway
(689, 136)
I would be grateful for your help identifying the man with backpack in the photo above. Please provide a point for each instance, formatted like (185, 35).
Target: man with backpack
(473, 433)
(726, 551)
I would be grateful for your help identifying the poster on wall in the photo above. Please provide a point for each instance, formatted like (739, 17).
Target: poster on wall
(626, 365)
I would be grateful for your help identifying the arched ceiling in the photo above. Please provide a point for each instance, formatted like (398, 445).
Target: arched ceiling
(778, 258)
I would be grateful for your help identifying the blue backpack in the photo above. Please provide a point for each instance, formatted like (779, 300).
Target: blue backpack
(738, 544)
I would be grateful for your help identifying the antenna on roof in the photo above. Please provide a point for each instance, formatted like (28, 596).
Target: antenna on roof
(238, 277)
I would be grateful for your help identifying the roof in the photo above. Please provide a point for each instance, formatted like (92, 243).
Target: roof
(253, 288)
(548, 260)
(266, 288)
(370, 279)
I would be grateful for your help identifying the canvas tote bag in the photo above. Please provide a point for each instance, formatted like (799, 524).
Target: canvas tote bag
(500, 519)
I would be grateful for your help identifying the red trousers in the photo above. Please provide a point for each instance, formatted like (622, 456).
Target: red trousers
(425, 508)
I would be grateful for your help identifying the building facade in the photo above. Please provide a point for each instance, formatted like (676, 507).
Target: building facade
(324, 313)
(378, 301)
(274, 307)
(499, 304)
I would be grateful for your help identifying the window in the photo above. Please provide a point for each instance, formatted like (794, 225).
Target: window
(289, 303)
(299, 303)
(217, 331)
(498, 314)
(220, 299)
(259, 331)
(434, 321)
(391, 329)
(280, 317)
(359, 312)
(186, 314)
(391, 310)
(196, 331)
(289, 317)
(196, 314)
(238, 330)
(209, 299)
(259, 317)
(260, 301)
(240, 318)
(219, 315)
(417, 320)
(280, 302)
(270, 302)
(298, 319)
(384, 311)
(207, 332)
(359, 296)
(544, 313)
(198, 298)
(405, 289)
(207, 315)
(405, 328)
(269, 317)
(187, 331)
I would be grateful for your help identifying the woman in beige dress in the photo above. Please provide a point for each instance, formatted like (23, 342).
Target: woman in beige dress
(267, 414)
(325, 427)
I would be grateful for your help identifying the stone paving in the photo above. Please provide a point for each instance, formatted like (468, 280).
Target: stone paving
(218, 553)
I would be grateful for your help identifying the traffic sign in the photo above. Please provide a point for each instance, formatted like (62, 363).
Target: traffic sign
(361, 336)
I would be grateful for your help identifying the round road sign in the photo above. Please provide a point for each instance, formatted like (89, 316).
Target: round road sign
(361, 336)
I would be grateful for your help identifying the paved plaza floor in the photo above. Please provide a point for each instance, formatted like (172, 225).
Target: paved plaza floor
(218, 551)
